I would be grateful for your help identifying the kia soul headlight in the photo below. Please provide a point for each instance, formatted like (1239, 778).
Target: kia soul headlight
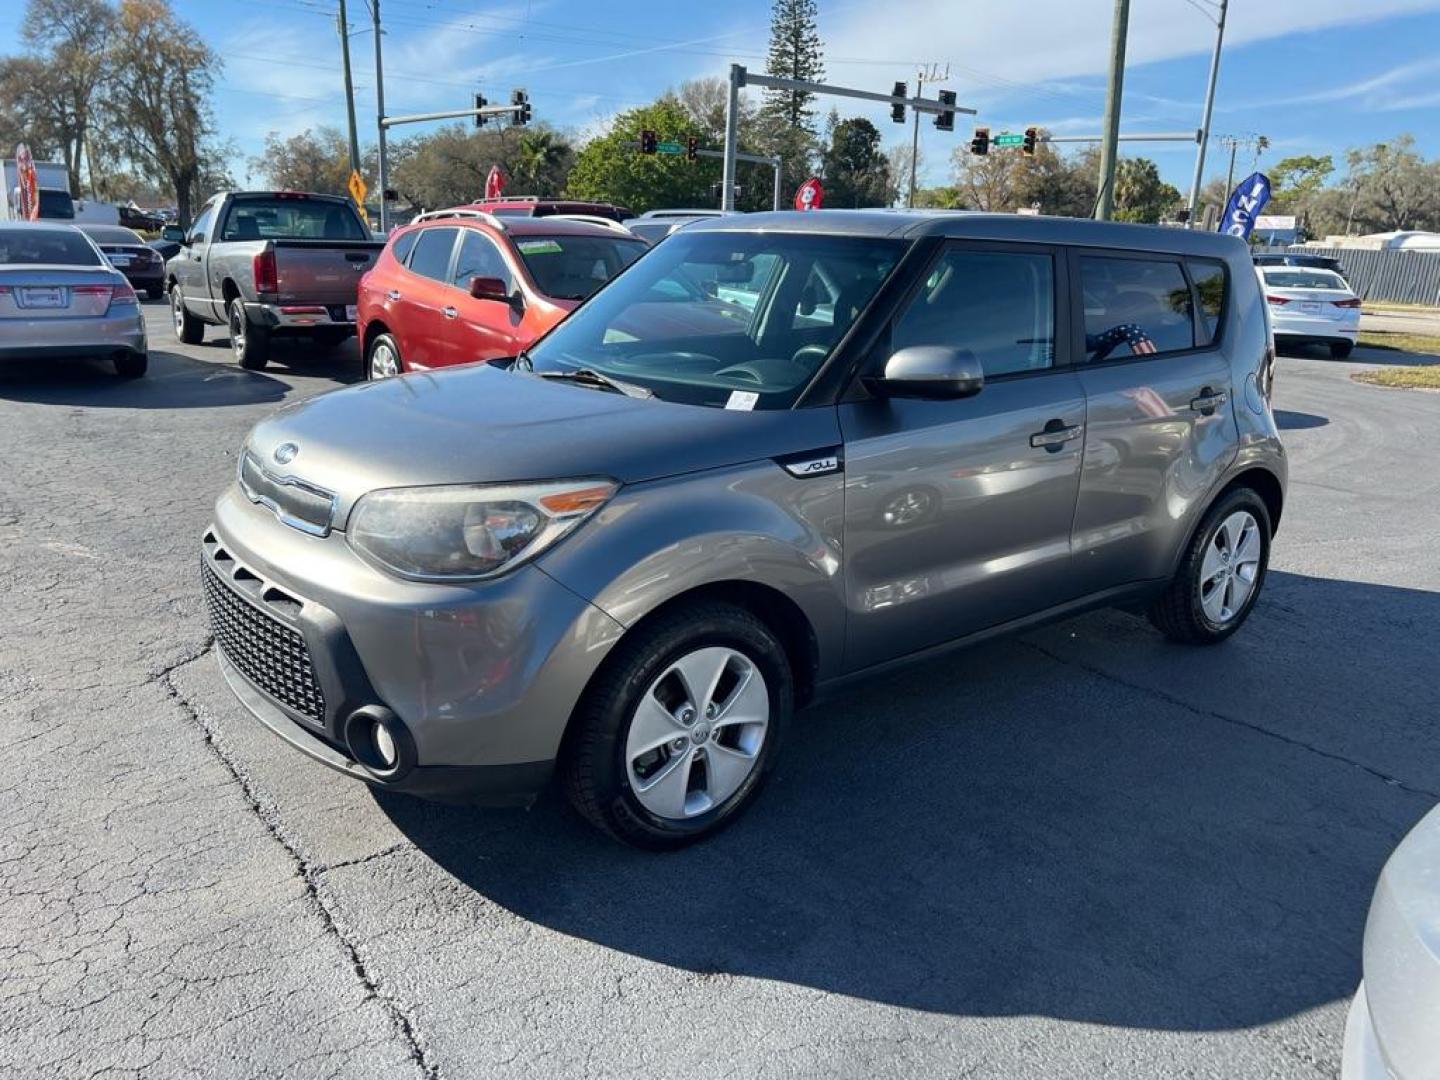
(469, 531)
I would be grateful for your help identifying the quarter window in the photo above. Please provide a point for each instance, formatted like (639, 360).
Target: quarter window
(1209, 278)
(479, 258)
(998, 305)
(404, 244)
(431, 257)
(1135, 307)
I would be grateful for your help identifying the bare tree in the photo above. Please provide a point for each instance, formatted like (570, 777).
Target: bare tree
(156, 100)
(70, 37)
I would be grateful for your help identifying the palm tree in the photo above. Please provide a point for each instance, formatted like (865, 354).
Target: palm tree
(541, 162)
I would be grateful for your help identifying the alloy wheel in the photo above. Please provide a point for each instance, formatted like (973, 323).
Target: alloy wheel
(1230, 567)
(237, 330)
(696, 735)
(383, 361)
(177, 310)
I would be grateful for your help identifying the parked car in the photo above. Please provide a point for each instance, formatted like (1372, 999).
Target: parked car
(534, 206)
(132, 217)
(267, 265)
(653, 230)
(1391, 1033)
(127, 251)
(631, 553)
(463, 285)
(1311, 307)
(1292, 258)
(61, 298)
(166, 249)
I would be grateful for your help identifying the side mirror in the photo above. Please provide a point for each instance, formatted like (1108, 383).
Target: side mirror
(936, 372)
(174, 233)
(489, 288)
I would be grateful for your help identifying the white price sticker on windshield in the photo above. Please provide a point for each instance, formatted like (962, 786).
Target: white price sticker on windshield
(744, 400)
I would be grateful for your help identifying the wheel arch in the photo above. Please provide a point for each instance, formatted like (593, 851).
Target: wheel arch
(373, 329)
(1265, 484)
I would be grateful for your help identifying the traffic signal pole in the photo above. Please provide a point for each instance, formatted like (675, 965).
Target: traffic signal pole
(1205, 119)
(380, 117)
(740, 77)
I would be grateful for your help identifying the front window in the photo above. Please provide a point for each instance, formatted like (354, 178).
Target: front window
(737, 320)
(291, 217)
(573, 267)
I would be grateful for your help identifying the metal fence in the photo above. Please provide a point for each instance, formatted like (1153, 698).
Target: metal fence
(1402, 277)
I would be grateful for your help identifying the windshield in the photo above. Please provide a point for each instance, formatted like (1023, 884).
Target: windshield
(53, 246)
(291, 217)
(573, 267)
(731, 320)
(1304, 279)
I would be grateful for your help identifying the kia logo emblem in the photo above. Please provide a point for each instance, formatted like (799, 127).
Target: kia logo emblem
(285, 453)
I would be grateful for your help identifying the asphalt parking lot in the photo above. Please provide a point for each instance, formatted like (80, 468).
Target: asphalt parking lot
(1084, 852)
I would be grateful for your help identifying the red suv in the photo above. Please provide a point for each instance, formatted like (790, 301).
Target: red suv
(463, 285)
(508, 206)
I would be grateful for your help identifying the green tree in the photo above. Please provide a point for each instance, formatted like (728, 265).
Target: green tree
(1295, 180)
(795, 53)
(1140, 194)
(448, 166)
(1064, 187)
(856, 172)
(156, 99)
(541, 162)
(317, 160)
(608, 169)
(1392, 187)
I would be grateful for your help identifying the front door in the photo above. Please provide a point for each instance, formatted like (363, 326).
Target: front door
(1161, 427)
(958, 513)
(484, 329)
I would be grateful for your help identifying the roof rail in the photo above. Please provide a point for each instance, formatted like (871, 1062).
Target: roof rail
(507, 198)
(591, 219)
(463, 212)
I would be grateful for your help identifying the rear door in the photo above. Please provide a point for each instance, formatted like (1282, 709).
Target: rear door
(1161, 427)
(421, 326)
(958, 513)
(480, 329)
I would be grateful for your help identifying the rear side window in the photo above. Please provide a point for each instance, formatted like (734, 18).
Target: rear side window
(1209, 279)
(1135, 307)
(404, 244)
(431, 257)
(998, 305)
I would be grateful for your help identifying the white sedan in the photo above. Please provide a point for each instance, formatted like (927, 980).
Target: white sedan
(1310, 306)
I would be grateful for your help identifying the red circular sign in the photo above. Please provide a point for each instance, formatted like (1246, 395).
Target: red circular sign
(810, 194)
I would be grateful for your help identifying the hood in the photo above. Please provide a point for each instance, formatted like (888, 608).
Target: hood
(481, 424)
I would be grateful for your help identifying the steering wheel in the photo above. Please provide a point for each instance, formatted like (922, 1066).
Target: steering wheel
(743, 371)
(810, 356)
(673, 357)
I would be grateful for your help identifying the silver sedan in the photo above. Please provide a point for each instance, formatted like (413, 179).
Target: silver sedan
(1393, 1032)
(61, 298)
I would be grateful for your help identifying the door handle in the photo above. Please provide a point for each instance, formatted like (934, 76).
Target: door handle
(1055, 435)
(449, 312)
(393, 294)
(1208, 401)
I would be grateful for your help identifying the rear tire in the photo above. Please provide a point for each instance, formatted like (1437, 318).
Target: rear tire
(1339, 350)
(382, 359)
(716, 751)
(188, 329)
(131, 365)
(250, 343)
(1221, 574)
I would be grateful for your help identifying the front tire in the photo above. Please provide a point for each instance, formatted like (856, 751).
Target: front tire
(1220, 575)
(676, 734)
(250, 343)
(188, 329)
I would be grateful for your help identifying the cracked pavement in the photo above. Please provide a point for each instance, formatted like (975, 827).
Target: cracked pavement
(1085, 852)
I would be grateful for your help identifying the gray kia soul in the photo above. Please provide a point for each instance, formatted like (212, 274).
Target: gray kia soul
(779, 451)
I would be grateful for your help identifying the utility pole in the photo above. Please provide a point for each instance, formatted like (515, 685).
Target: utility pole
(349, 88)
(1205, 117)
(732, 135)
(915, 138)
(380, 116)
(1230, 174)
(1108, 149)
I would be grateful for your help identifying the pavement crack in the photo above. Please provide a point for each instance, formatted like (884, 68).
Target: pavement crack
(1181, 703)
(399, 1014)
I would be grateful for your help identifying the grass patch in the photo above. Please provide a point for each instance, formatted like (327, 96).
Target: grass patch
(1423, 344)
(1387, 305)
(1425, 377)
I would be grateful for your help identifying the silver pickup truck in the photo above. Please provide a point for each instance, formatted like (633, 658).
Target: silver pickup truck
(269, 264)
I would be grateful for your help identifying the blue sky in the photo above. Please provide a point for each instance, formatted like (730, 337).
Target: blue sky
(1316, 76)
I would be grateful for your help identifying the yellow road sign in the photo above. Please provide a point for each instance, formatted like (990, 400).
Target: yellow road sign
(357, 189)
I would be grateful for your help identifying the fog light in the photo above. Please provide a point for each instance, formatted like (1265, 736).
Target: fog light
(380, 743)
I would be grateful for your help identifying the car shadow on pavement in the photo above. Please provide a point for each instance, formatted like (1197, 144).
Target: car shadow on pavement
(173, 382)
(1286, 420)
(1021, 829)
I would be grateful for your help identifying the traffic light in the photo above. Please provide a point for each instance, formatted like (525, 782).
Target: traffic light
(897, 112)
(519, 107)
(980, 144)
(945, 121)
(1032, 136)
(647, 141)
(480, 103)
(692, 149)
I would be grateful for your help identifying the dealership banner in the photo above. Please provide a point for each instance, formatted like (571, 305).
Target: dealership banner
(1246, 202)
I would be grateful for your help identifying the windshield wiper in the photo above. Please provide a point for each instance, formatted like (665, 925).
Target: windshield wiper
(591, 377)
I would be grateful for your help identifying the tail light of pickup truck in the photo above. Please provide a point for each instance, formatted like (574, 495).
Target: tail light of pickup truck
(264, 271)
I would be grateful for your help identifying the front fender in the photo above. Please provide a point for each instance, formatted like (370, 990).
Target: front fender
(753, 523)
